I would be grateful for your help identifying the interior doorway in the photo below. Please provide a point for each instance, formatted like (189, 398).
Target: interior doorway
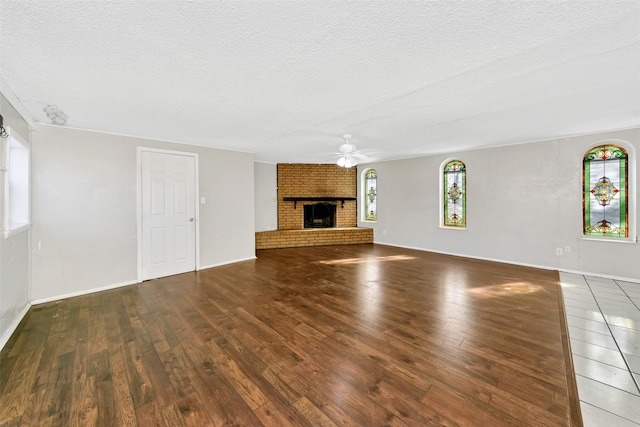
(168, 213)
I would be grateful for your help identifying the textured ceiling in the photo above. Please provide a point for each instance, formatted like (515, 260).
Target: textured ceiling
(286, 79)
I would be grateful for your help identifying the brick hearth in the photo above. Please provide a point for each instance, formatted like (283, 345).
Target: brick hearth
(313, 237)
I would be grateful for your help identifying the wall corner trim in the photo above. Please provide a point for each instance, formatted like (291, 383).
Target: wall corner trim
(14, 325)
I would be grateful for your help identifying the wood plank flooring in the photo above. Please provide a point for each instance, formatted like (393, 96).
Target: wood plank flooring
(358, 335)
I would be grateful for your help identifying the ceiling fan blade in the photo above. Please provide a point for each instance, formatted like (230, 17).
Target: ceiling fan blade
(345, 150)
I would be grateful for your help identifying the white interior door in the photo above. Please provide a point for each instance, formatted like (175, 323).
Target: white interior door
(168, 228)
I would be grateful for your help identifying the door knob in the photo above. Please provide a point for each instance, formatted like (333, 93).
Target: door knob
(191, 219)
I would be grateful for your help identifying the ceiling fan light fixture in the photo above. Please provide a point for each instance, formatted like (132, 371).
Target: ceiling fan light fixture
(347, 161)
(347, 149)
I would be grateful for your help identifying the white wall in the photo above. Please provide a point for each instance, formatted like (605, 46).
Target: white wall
(524, 201)
(84, 235)
(14, 250)
(266, 196)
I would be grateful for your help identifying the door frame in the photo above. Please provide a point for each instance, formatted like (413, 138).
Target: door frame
(196, 187)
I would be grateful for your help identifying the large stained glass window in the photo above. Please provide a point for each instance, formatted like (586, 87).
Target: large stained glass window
(605, 192)
(455, 194)
(370, 195)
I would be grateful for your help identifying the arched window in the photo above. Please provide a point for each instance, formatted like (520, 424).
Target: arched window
(605, 196)
(454, 186)
(370, 195)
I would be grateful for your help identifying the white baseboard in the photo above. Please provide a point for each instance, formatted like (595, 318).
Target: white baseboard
(204, 267)
(14, 325)
(523, 264)
(83, 292)
(118, 285)
(542, 267)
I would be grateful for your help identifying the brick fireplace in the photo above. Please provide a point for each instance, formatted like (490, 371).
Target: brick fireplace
(315, 181)
(301, 186)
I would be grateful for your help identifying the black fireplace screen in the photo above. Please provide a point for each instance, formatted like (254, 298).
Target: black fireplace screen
(320, 215)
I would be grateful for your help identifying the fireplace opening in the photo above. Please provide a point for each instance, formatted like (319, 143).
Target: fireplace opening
(320, 215)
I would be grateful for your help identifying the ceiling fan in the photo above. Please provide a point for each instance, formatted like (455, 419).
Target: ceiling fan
(349, 154)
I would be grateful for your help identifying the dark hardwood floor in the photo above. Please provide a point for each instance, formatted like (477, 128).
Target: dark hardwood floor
(358, 335)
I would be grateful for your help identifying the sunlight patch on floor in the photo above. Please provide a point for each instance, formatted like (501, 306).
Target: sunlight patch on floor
(507, 289)
(367, 260)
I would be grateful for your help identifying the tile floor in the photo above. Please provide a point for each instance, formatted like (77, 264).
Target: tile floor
(604, 327)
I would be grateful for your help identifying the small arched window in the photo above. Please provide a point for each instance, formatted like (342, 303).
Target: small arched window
(454, 186)
(370, 195)
(605, 196)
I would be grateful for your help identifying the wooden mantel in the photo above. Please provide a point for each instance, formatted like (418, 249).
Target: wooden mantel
(295, 200)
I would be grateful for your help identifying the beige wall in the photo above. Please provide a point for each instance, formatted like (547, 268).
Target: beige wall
(266, 196)
(84, 236)
(523, 202)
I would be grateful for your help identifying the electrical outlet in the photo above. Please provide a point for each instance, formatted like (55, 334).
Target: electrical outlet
(558, 251)
(384, 232)
(567, 249)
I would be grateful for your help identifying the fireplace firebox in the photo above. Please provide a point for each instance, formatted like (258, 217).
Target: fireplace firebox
(320, 215)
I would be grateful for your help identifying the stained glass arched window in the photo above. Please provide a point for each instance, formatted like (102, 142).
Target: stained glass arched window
(455, 194)
(605, 203)
(370, 195)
